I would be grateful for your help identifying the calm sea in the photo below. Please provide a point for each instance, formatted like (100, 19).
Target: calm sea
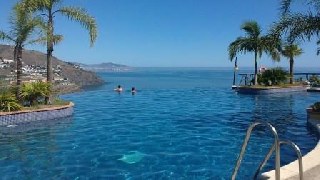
(183, 123)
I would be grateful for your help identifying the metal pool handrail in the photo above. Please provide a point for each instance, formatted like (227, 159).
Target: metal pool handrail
(275, 146)
(264, 161)
(289, 143)
(299, 155)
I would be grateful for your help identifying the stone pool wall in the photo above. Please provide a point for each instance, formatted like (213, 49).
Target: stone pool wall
(270, 90)
(21, 117)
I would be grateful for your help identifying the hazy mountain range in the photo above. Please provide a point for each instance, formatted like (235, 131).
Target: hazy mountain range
(109, 66)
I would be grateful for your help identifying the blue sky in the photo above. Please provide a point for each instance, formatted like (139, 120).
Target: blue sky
(165, 33)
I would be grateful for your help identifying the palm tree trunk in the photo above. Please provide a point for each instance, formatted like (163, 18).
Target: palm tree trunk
(19, 70)
(15, 52)
(255, 68)
(17, 56)
(291, 70)
(49, 64)
(49, 53)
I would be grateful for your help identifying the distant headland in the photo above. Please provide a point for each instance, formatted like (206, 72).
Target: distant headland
(68, 76)
(103, 67)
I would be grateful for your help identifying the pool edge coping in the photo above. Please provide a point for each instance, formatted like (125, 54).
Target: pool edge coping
(71, 104)
(310, 161)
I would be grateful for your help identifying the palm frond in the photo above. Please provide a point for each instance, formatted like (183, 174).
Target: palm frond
(285, 6)
(4, 36)
(22, 23)
(272, 46)
(37, 5)
(318, 48)
(315, 4)
(251, 28)
(8, 102)
(242, 45)
(291, 50)
(43, 40)
(277, 29)
(80, 15)
(57, 39)
(31, 92)
(300, 26)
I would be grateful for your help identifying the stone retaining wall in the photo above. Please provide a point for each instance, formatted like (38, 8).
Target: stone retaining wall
(21, 117)
(270, 90)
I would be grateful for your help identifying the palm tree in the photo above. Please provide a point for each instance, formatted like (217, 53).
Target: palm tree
(256, 43)
(36, 91)
(49, 9)
(298, 24)
(8, 102)
(290, 51)
(22, 27)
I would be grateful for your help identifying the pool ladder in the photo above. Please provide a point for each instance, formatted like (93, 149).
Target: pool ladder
(275, 147)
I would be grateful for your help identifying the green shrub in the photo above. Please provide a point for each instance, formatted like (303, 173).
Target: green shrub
(274, 76)
(316, 107)
(34, 93)
(58, 101)
(8, 102)
(314, 79)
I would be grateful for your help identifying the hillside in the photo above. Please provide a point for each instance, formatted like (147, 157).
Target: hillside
(74, 74)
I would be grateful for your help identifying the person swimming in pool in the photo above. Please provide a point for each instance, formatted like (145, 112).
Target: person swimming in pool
(118, 89)
(133, 90)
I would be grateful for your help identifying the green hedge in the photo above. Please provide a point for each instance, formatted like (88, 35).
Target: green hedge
(274, 76)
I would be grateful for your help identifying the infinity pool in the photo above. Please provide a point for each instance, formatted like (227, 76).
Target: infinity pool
(181, 124)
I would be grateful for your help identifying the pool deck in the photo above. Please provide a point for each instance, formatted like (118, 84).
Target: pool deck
(310, 163)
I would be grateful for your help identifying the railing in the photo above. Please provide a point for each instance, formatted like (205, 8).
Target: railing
(275, 147)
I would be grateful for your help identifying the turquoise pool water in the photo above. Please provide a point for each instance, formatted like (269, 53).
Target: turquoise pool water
(183, 123)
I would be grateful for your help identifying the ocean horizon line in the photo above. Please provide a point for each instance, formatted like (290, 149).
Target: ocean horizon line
(244, 67)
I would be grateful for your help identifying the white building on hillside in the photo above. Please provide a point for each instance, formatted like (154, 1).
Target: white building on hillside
(7, 61)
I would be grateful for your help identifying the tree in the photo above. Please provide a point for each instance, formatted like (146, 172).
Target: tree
(22, 27)
(256, 43)
(299, 25)
(290, 51)
(49, 9)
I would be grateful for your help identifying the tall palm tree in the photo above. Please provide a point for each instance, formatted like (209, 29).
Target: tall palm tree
(256, 43)
(49, 9)
(22, 27)
(290, 51)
